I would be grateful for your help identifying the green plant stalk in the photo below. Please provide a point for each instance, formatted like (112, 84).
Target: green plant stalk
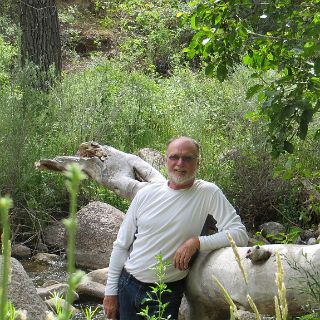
(75, 176)
(253, 307)
(281, 301)
(5, 205)
(159, 288)
(237, 256)
(233, 307)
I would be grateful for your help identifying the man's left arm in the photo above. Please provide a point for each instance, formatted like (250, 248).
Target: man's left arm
(227, 221)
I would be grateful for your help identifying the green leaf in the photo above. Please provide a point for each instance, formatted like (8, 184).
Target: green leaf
(253, 90)
(270, 56)
(310, 48)
(315, 84)
(247, 60)
(222, 71)
(180, 14)
(209, 71)
(194, 22)
(317, 66)
(305, 119)
(288, 146)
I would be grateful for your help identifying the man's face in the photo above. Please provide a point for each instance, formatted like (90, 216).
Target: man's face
(182, 163)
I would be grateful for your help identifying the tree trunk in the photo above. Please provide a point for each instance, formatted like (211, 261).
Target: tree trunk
(40, 43)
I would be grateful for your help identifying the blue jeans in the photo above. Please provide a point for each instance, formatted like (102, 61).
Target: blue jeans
(132, 292)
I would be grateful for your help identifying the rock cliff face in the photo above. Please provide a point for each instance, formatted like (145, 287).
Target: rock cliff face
(23, 294)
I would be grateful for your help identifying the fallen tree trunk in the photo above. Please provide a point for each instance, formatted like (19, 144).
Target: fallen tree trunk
(301, 265)
(118, 171)
(126, 174)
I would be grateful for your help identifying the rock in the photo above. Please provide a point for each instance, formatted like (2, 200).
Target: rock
(54, 302)
(99, 275)
(59, 289)
(23, 294)
(271, 228)
(98, 225)
(317, 232)
(92, 290)
(20, 251)
(246, 315)
(305, 235)
(312, 241)
(153, 157)
(46, 258)
(41, 247)
(257, 254)
(55, 235)
(50, 283)
(184, 310)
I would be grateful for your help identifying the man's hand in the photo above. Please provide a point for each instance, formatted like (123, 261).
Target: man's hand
(185, 252)
(110, 305)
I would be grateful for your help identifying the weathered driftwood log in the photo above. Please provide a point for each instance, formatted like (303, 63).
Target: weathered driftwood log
(207, 302)
(126, 174)
(118, 171)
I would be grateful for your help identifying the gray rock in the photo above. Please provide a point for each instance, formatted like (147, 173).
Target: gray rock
(153, 157)
(53, 303)
(23, 294)
(97, 229)
(59, 289)
(91, 289)
(55, 235)
(20, 251)
(312, 241)
(271, 228)
(98, 225)
(317, 232)
(307, 234)
(184, 310)
(99, 275)
(45, 258)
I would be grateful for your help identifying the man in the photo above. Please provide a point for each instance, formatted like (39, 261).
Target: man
(167, 218)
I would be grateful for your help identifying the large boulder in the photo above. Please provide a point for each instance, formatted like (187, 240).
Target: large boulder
(22, 293)
(97, 229)
(98, 225)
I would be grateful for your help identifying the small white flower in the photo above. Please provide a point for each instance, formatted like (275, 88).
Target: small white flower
(264, 16)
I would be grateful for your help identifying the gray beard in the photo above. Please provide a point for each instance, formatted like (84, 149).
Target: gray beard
(180, 180)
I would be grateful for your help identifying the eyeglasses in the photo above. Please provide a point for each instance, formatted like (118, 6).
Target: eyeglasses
(183, 158)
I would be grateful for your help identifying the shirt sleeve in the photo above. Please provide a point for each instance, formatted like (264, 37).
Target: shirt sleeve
(121, 248)
(227, 220)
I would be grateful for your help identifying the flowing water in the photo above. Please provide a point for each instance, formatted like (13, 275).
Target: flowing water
(56, 270)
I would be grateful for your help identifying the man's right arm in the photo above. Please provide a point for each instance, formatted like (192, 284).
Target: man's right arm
(110, 306)
(118, 258)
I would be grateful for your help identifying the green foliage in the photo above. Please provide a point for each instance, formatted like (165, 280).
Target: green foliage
(285, 237)
(5, 205)
(280, 39)
(8, 54)
(157, 291)
(74, 176)
(151, 38)
(308, 279)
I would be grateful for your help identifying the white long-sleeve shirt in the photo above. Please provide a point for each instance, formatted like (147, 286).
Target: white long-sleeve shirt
(160, 219)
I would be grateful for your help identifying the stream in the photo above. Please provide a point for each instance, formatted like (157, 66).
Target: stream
(41, 273)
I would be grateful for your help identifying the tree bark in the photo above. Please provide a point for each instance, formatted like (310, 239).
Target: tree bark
(40, 43)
